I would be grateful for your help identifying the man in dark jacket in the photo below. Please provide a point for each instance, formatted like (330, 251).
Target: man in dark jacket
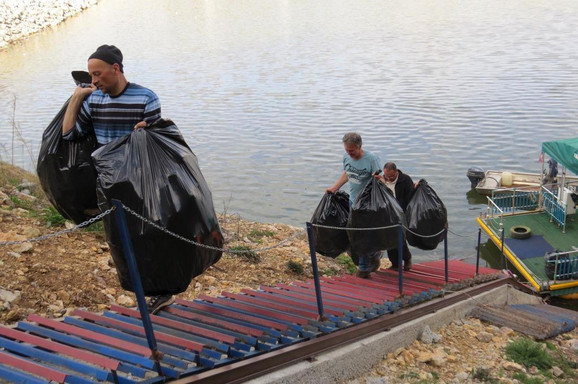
(402, 187)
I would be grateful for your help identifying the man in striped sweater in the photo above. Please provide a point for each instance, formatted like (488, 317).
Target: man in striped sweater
(112, 108)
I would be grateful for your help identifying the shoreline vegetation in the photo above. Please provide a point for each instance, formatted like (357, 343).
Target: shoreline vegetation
(20, 19)
(53, 277)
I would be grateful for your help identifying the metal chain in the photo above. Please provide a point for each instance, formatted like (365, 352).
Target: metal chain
(226, 250)
(376, 228)
(63, 232)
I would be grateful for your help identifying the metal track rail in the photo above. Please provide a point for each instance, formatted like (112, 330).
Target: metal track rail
(254, 367)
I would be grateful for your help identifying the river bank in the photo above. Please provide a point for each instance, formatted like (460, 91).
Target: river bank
(53, 277)
(22, 18)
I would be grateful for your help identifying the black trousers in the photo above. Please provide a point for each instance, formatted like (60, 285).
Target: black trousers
(392, 254)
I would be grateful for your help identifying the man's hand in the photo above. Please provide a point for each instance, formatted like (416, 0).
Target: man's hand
(141, 124)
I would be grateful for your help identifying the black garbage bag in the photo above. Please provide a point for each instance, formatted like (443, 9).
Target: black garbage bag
(66, 172)
(374, 207)
(332, 211)
(426, 216)
(154, 173)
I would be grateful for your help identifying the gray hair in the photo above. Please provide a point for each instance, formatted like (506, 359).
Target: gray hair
(390, 166)
(353, 138)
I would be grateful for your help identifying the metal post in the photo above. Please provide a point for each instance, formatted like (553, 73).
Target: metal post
(400, 257)
(446, 267)
(503, 258)
(478, 252)
(315, 271)
(136, 281)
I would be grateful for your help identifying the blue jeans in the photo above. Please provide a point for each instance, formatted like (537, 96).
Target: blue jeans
(365, 261)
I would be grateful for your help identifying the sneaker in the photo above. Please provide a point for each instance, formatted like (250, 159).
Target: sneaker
(156, 303)
(363, 274)
(407, 265)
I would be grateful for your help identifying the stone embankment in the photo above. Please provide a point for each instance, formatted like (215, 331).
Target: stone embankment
(22, 18)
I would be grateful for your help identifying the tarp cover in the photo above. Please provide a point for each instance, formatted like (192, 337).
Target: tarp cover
(154, 173)
(332, 211)
(66, 172)
(374, 207)
(426, 216)
(564, 152)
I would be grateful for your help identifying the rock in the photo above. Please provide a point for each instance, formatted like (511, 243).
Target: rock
(125, 301)
(557, 372)
(23, 247)
(511, 366)
(484, 337)
(429, 337)
(462, 376)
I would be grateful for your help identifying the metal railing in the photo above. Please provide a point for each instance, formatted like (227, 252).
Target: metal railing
(562, 265)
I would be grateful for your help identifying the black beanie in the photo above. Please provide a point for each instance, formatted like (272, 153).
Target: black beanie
(109, 54)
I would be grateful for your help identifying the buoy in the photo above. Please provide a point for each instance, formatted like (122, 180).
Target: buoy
(506, 179)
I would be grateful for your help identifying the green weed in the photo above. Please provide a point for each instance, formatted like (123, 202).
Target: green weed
(529, 353)
(347, 262)
(295, 267)
(246, 253)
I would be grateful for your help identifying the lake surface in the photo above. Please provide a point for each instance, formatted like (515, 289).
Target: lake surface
(264, 90)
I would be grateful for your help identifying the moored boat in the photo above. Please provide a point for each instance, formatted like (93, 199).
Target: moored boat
(537, 227)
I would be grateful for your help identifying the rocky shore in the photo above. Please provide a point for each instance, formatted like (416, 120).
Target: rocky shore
(22, 18)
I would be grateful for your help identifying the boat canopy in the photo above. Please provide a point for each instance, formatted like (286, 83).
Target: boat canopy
(564, 152)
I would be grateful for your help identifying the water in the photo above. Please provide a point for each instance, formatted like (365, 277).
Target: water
(264, 90)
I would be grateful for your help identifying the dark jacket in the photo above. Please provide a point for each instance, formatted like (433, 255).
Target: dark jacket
(403, 189)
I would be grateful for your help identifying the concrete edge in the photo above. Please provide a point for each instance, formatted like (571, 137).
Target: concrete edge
(356, 359)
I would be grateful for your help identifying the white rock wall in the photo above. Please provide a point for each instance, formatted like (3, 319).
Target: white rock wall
(21, 18)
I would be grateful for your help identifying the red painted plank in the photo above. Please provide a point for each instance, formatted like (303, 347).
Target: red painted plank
(60, 348)
(254, 309)
(215, 322)
(199, 331)
(339, 301)
(291, 309)
(160, 336)
(369, 287)
(305, 295)
(278, 298)
(357, 296)
(90, 335)
(233, 314)
(31, 367)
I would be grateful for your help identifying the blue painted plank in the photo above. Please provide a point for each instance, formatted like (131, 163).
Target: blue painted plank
(75, 365)
(81, 343)
(272, 332)
(170, 331)
(168, 351)
(12, 376)
(249, 340)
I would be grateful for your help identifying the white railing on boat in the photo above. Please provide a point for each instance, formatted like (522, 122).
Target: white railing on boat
(562, 265)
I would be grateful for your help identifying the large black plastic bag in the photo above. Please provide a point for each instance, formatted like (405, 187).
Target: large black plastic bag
(426, 216)
(332, 211)
(374, 207)
(66, 172)
(153, 172)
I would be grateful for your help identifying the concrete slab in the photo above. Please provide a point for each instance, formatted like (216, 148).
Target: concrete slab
(356, 359)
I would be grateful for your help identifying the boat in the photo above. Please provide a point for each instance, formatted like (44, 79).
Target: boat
(486, 182)
(536, 229)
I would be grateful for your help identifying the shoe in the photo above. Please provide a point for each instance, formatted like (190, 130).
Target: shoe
(375, 264)
(407, 265)
(363, 274)
(393, 268)
(156, 303)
